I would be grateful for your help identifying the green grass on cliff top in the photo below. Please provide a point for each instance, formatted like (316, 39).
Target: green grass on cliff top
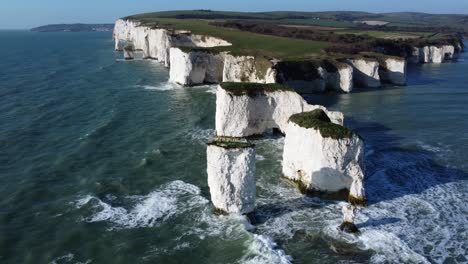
(249, 43)
(252, 89)
(243, 43)
(319, 120)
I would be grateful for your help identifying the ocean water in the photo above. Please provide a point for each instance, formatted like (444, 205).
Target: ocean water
(103, 161)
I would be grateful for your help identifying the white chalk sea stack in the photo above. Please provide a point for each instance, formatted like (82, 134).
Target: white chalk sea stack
(322, 156)
(247, 109)
(231, 176)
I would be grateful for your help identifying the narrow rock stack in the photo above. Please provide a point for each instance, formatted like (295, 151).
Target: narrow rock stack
(129, 50)
(322, 156)
(349, 213)
(231, 176)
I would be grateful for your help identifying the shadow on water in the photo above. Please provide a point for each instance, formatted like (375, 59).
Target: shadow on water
(395, 170)
(416, 76)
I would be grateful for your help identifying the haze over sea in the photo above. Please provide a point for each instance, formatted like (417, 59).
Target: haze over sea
(103, 161)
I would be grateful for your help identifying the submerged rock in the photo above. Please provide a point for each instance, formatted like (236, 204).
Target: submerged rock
(247, 109)
(231, 176)
(323, 156)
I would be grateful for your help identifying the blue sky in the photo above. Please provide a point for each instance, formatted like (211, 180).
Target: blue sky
(30, 13)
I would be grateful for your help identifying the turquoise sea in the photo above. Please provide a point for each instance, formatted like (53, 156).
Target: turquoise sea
(103, 161)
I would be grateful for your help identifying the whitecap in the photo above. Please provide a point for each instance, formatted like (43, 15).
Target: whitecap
(165, 86)
(389, 248)
(262, 249)
(202, 135)
(149, 210)
(259, 157)
(68, 258)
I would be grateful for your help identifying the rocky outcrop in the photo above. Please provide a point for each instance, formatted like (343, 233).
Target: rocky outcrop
(128, 49)
(231, 176)
(349, 213)
(155, 43)
(246, 109)
(315, 76)
(192, 67)
(323, 156)
(433, 54)
(365, 72)
(248, 69)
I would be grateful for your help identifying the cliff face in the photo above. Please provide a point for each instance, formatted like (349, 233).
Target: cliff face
(323, 163)
(247, 115)
(199, 67)
(195, 67)
(366, 72)
(433, 54)
(231, 178)
(315, 76)
(156, 43)
(393, 70)
(342, 80)
(248, 69)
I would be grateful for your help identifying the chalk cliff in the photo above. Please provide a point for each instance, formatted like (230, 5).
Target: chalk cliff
(433, 54)
(195, 67)
(248, 109)
(231, 176)
(323, 156)
(315, 76)
(365, 72)
(393, 70)
(248, 69)
(155, 43)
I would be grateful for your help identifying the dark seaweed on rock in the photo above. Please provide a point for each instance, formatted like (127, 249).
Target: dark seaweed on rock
(252, 89)
(318, 119)
(230, 144)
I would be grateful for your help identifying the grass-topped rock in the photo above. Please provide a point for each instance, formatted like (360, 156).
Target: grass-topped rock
(319, 120)
(252, 89)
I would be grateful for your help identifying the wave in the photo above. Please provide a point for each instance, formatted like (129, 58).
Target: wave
(166, 86)
(148, 210)
(262, 249)
(68, 258)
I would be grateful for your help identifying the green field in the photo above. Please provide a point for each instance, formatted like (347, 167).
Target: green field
(273, 46)
(245, 42)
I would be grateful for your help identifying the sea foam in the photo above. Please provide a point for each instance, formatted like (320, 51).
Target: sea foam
(148, 210)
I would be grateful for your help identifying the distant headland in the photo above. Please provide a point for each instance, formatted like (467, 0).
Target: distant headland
(74, 28)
